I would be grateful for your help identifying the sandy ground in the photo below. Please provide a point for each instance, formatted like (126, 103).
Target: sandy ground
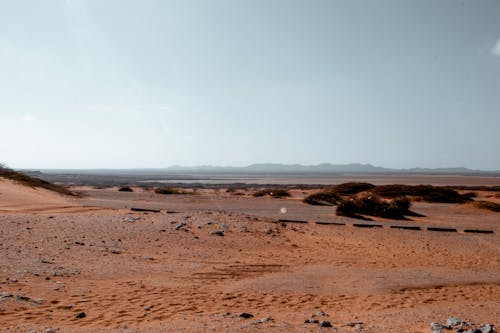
(146, 272)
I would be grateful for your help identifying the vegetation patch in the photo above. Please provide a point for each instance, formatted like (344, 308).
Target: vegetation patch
(426, 193)
(26, 180)
(372, 205)
(483, 204)
(275, 193)
(170, 190)
(353, 188)
(125, 189)
(323, 198)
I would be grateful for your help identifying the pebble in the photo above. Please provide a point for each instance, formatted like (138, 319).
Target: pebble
(325, 323)
(461, 326)
(436, 327)
(130, 219)
(180, 225)
(81, 315)
(264, 320)
(218, 233)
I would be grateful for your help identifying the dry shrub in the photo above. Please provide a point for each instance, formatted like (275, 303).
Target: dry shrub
(426, 193)
(26, 180)
(275, 193)
(323, 198)
(373, 205)
(353, 188)
(170, 190)
(483, 204)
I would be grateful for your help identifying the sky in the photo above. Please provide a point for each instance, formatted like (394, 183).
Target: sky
(139, 84)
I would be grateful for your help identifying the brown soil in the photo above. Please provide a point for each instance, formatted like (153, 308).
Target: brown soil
(68, 256)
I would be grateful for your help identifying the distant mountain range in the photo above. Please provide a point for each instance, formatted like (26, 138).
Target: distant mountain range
(324, 167)
(352, 168)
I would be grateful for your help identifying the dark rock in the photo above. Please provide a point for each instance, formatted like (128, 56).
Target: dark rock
(246, 315)
(180, 225)
(81, 315)
(218, 233)
(325, 323)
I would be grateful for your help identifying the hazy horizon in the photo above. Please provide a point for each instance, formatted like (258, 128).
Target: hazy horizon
(149, 84)
(270, 166)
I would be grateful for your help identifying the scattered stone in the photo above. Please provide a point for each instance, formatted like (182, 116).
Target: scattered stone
(264, 320)
(81, 315)
(487, 328)
(325, 323)
(436, 327)
(148, 307)
(452, 321)
(461, 326)
(12, 279)
(23, 298)
(218, 233)
(115, 251)
(354, 323)
(246, 315)
(5, 295)
(130, 219)
(311, 321)
(321, 313)
(50, 330)
(180, 225)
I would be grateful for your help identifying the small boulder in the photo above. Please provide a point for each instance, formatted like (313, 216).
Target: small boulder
(245, 315)
(218, 233)
(81, 315)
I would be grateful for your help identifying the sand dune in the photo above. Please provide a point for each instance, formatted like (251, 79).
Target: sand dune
(16, 197)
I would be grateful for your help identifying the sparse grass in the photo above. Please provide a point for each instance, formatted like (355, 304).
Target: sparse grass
(26, 180)
(275, 193)
(353, 188)
(426, 193)
(323, 198)
(125, 189)
(373, 205)
(483, 204)
(170, 190)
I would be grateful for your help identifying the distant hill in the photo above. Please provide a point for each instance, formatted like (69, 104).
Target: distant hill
(327, 168)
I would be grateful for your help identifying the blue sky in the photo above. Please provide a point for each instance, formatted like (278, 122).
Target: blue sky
(120, 84)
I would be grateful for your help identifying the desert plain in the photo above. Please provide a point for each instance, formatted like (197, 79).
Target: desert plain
(226, 261)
